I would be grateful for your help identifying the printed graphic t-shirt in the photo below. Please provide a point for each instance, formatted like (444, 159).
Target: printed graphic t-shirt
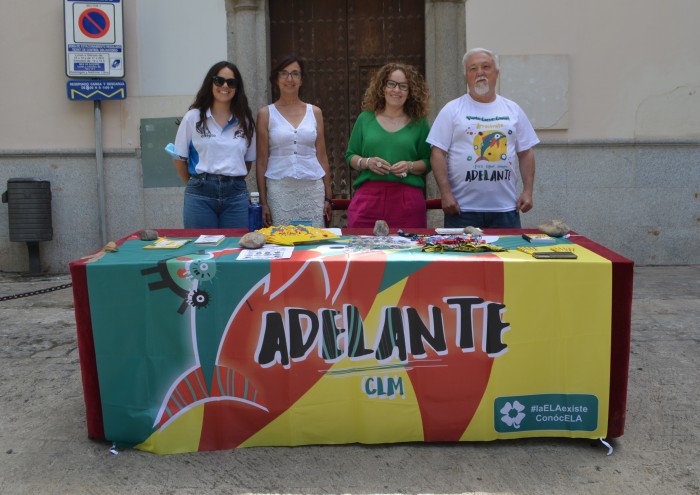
(482, 141)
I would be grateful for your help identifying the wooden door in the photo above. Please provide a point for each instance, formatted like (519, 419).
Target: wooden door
(343, 42)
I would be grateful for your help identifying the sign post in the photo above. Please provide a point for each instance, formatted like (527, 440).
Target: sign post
(94, 35)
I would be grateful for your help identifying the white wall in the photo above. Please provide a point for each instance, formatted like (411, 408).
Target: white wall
(180, 40)
(635, 66)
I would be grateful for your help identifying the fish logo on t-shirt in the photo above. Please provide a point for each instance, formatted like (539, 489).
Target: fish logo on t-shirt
(491, 146)
(239, 134)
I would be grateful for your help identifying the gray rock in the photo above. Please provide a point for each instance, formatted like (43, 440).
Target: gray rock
(148, 235)
(381, 228)
(252, 240)
(555, 228)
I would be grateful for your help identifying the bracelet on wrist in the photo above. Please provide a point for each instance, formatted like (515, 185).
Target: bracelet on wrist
(329, 201)
(410, 167)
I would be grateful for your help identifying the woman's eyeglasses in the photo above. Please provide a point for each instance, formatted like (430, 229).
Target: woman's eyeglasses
(295, 74)
(392, 84)
(219, 81)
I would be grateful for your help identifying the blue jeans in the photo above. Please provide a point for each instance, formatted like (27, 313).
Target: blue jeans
(215, 202)
(484, 220)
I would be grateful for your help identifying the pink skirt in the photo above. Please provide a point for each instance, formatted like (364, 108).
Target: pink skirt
(400, 205)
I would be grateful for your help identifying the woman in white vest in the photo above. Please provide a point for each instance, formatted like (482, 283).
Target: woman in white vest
(292, 171)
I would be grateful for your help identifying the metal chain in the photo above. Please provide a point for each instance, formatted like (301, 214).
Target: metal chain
(35, 292)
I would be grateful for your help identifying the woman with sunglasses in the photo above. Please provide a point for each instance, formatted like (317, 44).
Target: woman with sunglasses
(292, 170)
(214, 148)
(388, 149)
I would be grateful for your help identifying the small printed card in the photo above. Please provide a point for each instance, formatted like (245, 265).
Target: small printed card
(267, 252)
(209, 240)
(165, 243)
(554, 255)
(539, 238)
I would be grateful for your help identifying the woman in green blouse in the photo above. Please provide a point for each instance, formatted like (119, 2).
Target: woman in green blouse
(388, 148)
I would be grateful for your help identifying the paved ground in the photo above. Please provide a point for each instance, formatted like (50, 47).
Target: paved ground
(44, 448)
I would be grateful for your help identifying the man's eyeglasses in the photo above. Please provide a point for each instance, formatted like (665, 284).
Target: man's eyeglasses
(392, 84)
(283, 74)
(219, 81)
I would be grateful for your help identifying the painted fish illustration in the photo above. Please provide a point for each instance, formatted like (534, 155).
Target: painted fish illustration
(491, 146)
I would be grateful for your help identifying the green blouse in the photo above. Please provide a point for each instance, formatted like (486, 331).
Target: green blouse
(369, 139)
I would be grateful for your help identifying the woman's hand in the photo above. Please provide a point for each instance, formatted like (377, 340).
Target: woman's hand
(267, 216)
(401, 169)
(379, 166)
(327, 211)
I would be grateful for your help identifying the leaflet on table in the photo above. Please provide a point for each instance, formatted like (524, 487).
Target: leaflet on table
(267, 252)
(539, 238)
(165, 243)
(210, 240)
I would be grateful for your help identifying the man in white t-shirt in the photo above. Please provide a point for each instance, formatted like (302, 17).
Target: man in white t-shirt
(477, 140)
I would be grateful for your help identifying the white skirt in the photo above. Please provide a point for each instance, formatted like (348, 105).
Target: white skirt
(292, 201)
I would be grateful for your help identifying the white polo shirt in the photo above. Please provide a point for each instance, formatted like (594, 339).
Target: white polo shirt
(482, 141)
(214, 150)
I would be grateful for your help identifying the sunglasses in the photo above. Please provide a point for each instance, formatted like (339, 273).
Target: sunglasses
(219, 81)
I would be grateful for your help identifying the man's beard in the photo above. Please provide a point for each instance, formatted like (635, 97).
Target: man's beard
(482, 88)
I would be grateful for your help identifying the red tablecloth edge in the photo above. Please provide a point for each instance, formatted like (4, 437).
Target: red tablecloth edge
(621, 325)
(86, 351)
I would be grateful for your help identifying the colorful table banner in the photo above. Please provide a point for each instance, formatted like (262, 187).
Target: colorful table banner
(197, 350)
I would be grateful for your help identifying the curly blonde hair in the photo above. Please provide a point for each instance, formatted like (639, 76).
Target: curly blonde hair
(417, 101)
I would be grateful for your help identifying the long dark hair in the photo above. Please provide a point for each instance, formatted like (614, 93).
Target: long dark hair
(274, 77)
(239, 104)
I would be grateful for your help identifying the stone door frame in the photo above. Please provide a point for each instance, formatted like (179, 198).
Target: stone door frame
(248, 38)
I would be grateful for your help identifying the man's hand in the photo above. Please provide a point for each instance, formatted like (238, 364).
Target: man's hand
(438, 160)
(524, 203)
(526, 160)
(449, 204)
